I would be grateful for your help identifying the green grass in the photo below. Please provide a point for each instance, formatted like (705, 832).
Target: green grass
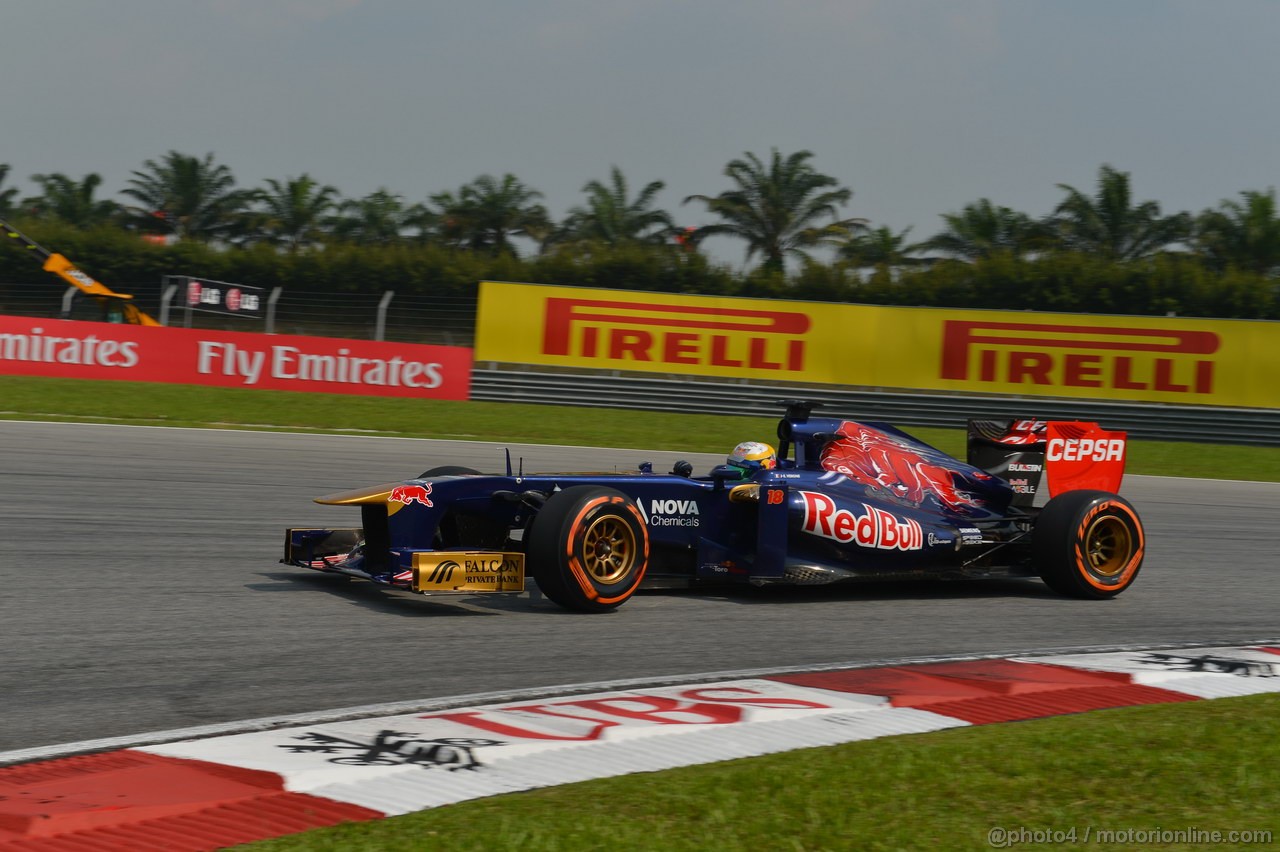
(183, 405)
(1211, 765)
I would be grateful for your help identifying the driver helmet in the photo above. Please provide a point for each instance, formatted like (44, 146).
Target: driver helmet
(753, 456)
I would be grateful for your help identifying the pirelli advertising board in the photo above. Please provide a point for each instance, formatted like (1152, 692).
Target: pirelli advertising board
(1149, 359)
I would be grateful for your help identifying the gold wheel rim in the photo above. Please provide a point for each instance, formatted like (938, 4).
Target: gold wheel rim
(609, 550)
(1108, 545)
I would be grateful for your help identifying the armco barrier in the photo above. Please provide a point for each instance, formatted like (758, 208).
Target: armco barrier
(498, 383)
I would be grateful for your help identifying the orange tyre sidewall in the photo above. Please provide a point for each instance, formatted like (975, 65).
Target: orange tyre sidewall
(577, 529)
(1130, 568)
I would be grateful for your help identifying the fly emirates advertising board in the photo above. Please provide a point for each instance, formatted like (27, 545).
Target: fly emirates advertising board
(90, 350)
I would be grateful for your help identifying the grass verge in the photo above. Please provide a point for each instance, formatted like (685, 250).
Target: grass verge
(1209, 766)
(141, 403)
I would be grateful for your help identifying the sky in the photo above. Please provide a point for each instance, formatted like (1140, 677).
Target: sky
(919, 106)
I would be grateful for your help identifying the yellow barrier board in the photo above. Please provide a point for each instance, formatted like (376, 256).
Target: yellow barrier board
(1146, 359)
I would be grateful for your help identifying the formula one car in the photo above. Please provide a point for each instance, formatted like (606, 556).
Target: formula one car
(841, 500)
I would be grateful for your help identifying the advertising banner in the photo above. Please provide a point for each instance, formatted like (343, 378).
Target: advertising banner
(90, 350)
(221, 297)
(1144, 359)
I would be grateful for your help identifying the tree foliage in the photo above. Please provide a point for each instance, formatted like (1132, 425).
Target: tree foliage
(485, 214)
(881, 247)
(1102, 253)
(613, 218)
(7, 196)
(1242, 234)
(983, 229)
(1111, 225)
(779, 209)
(293, 213)
(188, 197)
(380, 218)
(71, 201)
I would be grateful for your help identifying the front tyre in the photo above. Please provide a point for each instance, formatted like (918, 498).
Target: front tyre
(588, 548)
(1088, 544)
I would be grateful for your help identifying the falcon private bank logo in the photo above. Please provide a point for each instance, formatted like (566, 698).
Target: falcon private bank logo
(675, 334)
(1172, 360)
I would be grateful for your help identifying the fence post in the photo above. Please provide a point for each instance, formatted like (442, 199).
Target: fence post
(166, 298)
(269, 326)
(380, 332)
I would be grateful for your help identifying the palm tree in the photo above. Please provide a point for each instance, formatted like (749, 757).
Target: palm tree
(611, 217)
(294, 212)
(485, 214)
(880, 247)
(6, 195)
(982, 229)
(185, 196)
(1110, 225)
(71, 201)
(1244, 234)
(777, 209)
(380, 218)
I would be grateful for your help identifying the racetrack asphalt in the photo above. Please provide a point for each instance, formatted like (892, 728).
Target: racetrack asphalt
(141, 589)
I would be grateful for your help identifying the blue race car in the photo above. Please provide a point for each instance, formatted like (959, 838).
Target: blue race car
(839, 500)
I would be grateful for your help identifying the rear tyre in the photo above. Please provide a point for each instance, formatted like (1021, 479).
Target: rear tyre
(1088, 544)
(447, 470)
(588, 548)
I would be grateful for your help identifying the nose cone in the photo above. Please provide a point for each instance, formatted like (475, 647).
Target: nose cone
(360, 496)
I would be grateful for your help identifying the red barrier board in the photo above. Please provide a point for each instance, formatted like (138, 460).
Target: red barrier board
(89, 350)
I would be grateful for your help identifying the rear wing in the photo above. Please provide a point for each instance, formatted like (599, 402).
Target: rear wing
(1059, 455)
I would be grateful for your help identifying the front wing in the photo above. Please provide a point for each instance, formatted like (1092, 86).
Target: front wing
(338, 551)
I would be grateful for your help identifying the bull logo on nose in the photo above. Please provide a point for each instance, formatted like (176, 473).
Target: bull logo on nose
(411, 494)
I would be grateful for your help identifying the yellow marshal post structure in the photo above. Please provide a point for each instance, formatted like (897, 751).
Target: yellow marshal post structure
(112, 306)
(1145, 359)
